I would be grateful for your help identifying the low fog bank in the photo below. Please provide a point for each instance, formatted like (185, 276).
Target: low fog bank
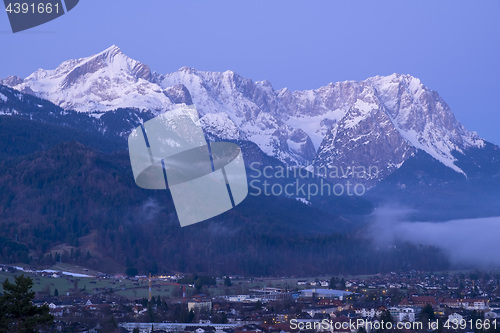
(467, 242)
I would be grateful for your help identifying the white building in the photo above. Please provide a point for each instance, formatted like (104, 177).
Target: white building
(324, 283)
(492, 314)
(238, 298)
(326, 310)
(368, 313)
(176, 327)
(203, 306)
(402, 314)
(455, 317)
(325, 293)
(475, 304)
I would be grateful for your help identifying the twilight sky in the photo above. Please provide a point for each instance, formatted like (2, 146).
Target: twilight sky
(453, 46)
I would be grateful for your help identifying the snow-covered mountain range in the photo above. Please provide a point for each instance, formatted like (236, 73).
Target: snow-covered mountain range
(381, 121)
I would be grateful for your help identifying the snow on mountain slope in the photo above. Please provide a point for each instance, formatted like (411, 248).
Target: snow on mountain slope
(391, 117)
(423, 118)
(253, 107)
(381, 119)
(105, 81)
(316, 111)
(364, 142)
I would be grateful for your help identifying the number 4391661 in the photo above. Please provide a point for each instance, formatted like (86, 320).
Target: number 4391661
(25, 8)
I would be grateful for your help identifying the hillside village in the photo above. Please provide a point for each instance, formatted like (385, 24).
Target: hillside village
(460, 302)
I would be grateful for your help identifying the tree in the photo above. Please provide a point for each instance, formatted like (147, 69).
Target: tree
(151, 313)
(475, 317)
(198, 284)
(386, 317)
(333, 283)
(17, 312)
(227, 281)
(56, 292)
(190, 316)
(131, 271)
(427, 313)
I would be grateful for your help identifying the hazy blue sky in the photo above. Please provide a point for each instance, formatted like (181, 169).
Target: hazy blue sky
(453, 46)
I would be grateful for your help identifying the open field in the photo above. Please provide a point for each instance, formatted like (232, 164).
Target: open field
(138, 288)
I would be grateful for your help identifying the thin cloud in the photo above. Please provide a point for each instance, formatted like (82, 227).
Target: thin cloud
(471, 242)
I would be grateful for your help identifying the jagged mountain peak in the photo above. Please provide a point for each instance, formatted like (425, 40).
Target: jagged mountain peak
(113, 49)
(112, 61)
(295, 126)
(187, 69)
(11, 80)
(413, 116)
(105, 81)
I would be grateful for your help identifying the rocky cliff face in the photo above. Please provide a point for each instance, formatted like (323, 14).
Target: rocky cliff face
(379, 122)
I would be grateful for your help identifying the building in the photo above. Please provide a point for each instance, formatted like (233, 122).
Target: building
(270, 294)
(200, 306)
(475, 304)
(423, 301)
(176, 327)
(455, 318)
(450, 302)
(325, 293)
(238, 298)
(368, 313)
(329, 310)
(401, 314)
